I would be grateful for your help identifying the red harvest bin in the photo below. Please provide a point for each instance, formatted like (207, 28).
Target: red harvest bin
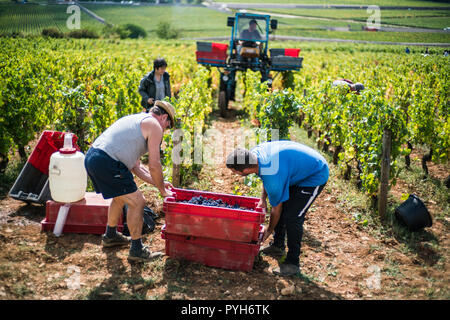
(211, 252)
(211, 53)
(291, 52)
(213, 222)
(49, 142)
(89, 215)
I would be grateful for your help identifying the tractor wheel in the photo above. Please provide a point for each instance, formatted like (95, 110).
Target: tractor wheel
(223, 104)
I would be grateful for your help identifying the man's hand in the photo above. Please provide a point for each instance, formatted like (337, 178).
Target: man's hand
(274, 218)
(262, 204)
(166, 193)
(150, 100)
(267, 233)
(168, 185)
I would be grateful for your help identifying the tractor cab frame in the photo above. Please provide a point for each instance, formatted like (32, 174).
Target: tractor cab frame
(247, 49)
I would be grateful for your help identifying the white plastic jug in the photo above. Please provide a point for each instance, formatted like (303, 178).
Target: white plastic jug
(67, 174)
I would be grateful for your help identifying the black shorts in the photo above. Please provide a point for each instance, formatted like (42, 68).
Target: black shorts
(110, 177)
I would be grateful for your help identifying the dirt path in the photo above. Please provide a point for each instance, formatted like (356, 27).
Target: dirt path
(339, 259)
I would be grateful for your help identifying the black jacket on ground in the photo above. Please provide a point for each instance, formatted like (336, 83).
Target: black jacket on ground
(147, 88)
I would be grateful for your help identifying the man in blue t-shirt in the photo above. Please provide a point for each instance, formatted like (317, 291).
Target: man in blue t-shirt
(293, 175)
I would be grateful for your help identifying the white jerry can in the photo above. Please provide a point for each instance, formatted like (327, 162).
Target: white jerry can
(67, 174)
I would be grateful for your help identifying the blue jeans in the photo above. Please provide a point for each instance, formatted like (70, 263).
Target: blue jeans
(292, 219)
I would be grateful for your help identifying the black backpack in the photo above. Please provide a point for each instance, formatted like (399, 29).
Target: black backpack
(149, 221)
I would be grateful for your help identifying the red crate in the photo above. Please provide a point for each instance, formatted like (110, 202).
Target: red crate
(285, 52)
(213, 222)
(211, 53)
(89, 215)
(211, 252)
(211, 57)
(49, 142)
(292, 52)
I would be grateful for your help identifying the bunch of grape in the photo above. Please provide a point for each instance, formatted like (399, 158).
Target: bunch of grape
(212, 203)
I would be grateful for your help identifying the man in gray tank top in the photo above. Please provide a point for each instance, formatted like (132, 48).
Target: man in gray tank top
(111, 162)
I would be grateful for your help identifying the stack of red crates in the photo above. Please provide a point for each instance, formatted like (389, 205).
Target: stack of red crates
(214, 236)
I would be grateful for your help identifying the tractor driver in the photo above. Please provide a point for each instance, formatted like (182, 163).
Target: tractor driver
(251, 33)
(248, 34)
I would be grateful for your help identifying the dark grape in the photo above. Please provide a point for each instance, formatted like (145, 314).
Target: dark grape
(200, 200)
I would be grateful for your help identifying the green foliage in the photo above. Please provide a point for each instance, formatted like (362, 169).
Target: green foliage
(67, 84)
(32, 19)
(131, 31)
(20, 101)
(165, 30)
(271, 110)
(406, 96)
(52, 33)
(277, 113)
(83, 33)
(193, 105)
(73, 119)
(287, 80)
(409, 95)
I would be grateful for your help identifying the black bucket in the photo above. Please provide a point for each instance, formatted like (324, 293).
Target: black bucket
(413, 214)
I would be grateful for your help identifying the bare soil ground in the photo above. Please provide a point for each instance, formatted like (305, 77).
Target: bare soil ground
(340, 259)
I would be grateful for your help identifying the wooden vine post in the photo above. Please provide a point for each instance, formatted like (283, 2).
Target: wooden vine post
(176, 167)
(385, 170)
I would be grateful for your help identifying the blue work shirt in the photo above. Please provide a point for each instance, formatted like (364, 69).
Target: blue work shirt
(287, 163)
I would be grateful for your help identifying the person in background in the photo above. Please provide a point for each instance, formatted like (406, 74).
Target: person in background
(293, 175)
(155, 85)
(353, 87)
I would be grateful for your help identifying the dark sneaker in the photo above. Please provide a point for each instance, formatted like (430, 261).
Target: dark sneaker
(144, 255)
(286, 269)
(118, 240)
(271, 250)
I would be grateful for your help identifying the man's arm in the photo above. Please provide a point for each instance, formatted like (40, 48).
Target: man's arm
(141, 172)
(154, 134)
(263, 201)
(274, 218)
